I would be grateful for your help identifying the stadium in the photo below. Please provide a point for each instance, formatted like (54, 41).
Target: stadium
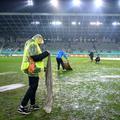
(90, 91)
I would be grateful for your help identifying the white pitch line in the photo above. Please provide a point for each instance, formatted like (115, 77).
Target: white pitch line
(11, 87)
(6, 73)
(110, 76)
(110, 58)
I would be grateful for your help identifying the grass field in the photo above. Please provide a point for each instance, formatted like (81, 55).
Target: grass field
(89, 92)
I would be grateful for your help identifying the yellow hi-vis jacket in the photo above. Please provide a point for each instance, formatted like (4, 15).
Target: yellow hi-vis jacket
(31, 48)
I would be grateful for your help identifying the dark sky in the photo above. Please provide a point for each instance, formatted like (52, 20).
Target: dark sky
(43, 6)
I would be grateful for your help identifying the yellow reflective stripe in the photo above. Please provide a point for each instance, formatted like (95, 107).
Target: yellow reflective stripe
(40, 64)
(24, 66)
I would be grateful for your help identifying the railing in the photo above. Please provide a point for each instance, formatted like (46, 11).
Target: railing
(74, 53)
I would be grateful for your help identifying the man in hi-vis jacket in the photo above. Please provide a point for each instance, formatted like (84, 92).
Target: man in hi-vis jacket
(32, 64)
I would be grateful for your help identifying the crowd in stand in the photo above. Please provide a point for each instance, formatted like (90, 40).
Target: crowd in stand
(72, 45)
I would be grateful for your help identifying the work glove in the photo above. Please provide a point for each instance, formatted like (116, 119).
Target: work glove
(31, 67)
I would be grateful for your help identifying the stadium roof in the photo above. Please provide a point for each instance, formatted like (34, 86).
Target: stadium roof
(20, 20)
(43, 6)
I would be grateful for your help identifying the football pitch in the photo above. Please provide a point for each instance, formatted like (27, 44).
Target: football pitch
(89, 92)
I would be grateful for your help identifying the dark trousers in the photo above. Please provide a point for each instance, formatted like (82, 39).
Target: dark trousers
(60, 62)
(91, 57)
(31, 92)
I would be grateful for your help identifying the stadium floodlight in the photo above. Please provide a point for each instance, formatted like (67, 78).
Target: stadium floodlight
(54, 3)
(76, 2)
(30, 3)
(79, 23)
(56, 23)
(98, 3)
(35, 22)
(116, 23)
(73, 23)
(96, 23)
(119, 3)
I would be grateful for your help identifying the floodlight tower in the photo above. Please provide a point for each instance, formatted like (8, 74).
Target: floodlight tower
(54, 3)
(30, 3)
(98, 3)
(76, 2)
(119, 3)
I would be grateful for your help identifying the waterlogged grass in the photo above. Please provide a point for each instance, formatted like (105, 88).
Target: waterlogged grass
(82, 94)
